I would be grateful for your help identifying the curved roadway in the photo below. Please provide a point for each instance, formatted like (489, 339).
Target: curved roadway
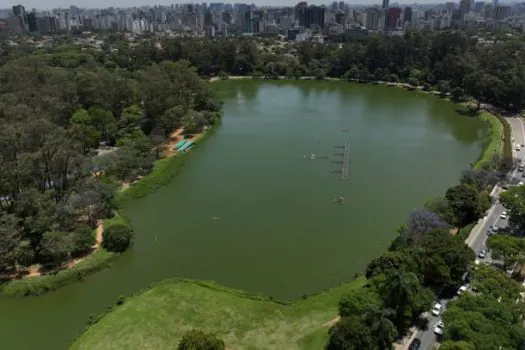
(478, 236)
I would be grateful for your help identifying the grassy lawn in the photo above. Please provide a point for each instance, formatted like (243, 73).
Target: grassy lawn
(494, 142)
(158, 317)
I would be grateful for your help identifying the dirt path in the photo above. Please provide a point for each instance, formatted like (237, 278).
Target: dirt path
(332, 322)
(34, 271)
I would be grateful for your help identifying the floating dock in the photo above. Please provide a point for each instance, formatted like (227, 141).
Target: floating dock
(179, 145)
(186, 146)
(345, 164)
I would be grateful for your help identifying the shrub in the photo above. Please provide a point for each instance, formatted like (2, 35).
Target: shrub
(199, 340)
(117, 238)
(83, 241)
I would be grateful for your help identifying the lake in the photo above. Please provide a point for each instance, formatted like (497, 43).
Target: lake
(253, 210)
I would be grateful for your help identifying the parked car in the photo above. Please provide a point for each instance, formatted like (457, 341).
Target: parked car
(415, 344)
(462, 290)
(503, 215)
(439, 328)
(482, 254)
(518, 147)
(436, 309)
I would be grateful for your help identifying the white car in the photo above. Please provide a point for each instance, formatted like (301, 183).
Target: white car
(436, 310)
(503, 215)
(518, 147)
(439, 328)
(482, 254)
(462, 290)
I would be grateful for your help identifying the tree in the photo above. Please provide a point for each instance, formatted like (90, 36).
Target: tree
(382, 328)
(10, 240)
(419, 223)
(514, 200)
(398, 292)
(199, 340)
(117, 238)
(443, 87)
(465, 203)
(357, 301)
(350, 333)
(55, 247)
(480, 179)
(83, 241)
(507, 248)
(490, 281)
(457, 94)
(441, 207)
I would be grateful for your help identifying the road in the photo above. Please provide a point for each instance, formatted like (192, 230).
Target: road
(478, 236)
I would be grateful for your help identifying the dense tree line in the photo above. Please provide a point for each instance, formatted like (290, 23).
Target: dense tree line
(426, 261)
(72, 130)
(451, 61)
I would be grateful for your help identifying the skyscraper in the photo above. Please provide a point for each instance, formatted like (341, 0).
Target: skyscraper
(385, 4)
(19, 10)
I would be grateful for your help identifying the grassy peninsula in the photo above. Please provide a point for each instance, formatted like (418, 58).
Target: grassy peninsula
(158, 317)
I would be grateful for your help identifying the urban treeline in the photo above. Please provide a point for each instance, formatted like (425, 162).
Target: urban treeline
(71, 134)
(451, 62)
(427, 261)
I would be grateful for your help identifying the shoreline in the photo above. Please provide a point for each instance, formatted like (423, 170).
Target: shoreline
(495, 143)
(36, 284)
(170, 166)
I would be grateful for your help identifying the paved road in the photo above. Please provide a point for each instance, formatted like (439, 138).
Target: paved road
(478, 236)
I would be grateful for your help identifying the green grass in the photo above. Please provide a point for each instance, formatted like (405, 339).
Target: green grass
(158, 317)
(494, 141)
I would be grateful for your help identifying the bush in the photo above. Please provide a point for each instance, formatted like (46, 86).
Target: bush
(199, 340)
(117, 238)
(83, 241)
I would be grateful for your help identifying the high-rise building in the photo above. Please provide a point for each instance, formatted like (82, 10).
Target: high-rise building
(372, 18)
(19, 10)
(315, 16)
(393, 18)
(407, 14)
(464, 8)
(385, 4)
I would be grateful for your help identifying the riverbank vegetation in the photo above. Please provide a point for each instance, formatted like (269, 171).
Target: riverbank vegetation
(71, 136)
(450, 61)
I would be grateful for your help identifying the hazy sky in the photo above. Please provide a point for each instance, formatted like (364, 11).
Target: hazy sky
(46, 4)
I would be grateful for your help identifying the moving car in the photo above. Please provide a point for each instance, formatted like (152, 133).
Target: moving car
(436, 309)
(503, 215)
(482, 254)
(439, 328)
(415, 345)
(462, 290)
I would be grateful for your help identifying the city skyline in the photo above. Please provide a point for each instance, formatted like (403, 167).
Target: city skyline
(46, 5)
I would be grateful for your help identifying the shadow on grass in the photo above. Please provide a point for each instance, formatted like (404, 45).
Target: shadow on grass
(469, 112)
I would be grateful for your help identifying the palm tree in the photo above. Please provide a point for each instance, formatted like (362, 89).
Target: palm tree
(381, 326)
(397, 290)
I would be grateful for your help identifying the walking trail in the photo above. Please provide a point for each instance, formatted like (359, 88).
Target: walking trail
(34, 270)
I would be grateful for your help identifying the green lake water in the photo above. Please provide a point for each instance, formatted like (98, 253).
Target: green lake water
(251, 212)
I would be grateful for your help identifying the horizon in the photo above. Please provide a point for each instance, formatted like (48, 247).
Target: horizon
(100, 4)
